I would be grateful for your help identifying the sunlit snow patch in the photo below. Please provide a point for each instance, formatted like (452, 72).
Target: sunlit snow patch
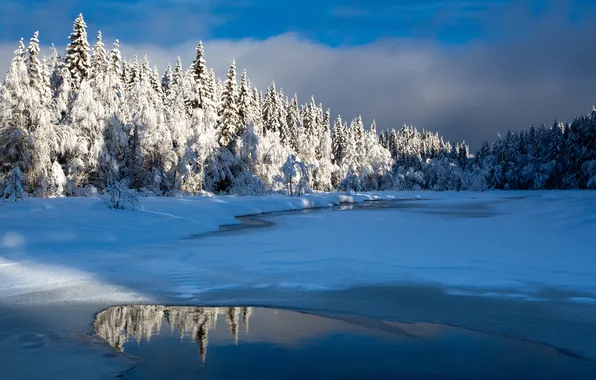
(55, 284)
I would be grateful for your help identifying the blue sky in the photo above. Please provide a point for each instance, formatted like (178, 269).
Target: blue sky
(332, 22)
(467, 68)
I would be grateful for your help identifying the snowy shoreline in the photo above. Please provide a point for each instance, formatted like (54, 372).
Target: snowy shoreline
(64, 242)
(200, 214)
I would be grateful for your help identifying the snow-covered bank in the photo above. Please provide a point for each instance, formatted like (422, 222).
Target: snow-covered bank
(38, 236)
(85, 223)
(494, 244)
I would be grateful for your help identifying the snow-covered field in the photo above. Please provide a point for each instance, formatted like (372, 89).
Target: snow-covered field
(496, 244)
(525, 250)
(79, 245)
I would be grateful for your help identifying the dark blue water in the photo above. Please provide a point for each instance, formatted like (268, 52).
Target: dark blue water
(257, 343)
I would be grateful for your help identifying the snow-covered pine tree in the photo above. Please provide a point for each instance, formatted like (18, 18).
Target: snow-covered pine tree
(257, 111)
(77, 53)
(166, 84)
(244, 103)
(109, 92)
(13, 189)
(294, 123)
(54, 64)
(373, 129)
(147, 119)
(16, 106)
(116, 59)
(322, 174)
(99, 58)
(229, 123)
(270, 110)
(155, 82)
(285, 133)
(213, 90)
(201, 98)
(34, 65)
(85, 140)
(43, 137)
(339, 141)
(178, 74)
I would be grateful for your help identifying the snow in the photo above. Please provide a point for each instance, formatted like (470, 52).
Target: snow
(72, 242)
(496, 244)
(518, 263)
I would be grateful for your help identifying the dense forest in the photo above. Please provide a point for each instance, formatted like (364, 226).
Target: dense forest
(78, 123)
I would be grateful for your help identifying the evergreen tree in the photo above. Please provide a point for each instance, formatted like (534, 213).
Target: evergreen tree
(244, 102)
(13, 190)
(99, 58)
(229, 123)
(339, 141)
(16, 107)
(116, 58)
(294, 123)
(77, 53)
(34, 65)
(201, 99)
(166, 84)
(270, 112)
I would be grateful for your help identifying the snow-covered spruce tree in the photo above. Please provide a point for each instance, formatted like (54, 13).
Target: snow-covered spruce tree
(43, 136)
(376, 165)
(99, 58)
(53, 63)
(166, 84)
(285, 135)
(77, 53)
(353, 151)
(13, 189)
(87, 159)
(271, 111)
(229, 123)
(323, 171)
(16, 107)
(83, 140)
(147, 119)
(244, 103)
(257, 111)
(200, 97)
(36, 71)
(116, 59)
(294, 123)
(207, 163)
(338, 149)
(109, 92)
(308, 138)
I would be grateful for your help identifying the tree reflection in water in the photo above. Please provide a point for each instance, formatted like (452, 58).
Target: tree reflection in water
(120, 324)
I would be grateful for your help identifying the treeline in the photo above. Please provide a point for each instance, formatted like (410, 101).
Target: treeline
(72, 124)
